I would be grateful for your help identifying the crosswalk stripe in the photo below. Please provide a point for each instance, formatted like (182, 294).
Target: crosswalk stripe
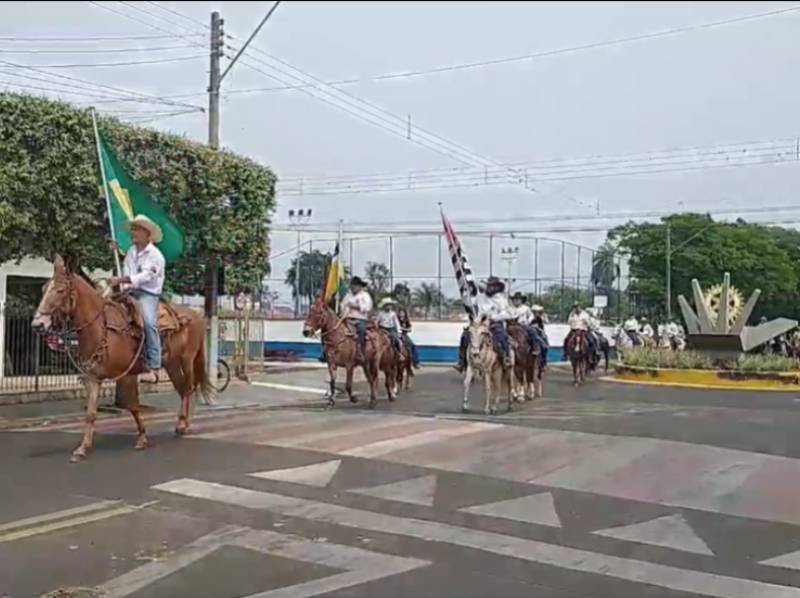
(384, 447)
(545, 553)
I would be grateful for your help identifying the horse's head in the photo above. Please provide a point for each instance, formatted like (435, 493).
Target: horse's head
(58, 300)
(315, 319)
(478, 336)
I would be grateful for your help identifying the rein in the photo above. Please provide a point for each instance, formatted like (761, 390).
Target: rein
(102, 350)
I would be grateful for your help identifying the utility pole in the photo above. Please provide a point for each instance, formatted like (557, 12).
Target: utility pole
(669, 272)
(214, 81)
(212, 267)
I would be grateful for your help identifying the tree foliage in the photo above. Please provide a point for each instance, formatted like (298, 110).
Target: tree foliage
(427, 297)
(51, 199)
(378, 277)
(313, 272)
(757, 257)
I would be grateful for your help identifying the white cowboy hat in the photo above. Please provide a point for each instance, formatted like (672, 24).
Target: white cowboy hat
(537, 308)
(387, 301)
(142, 221)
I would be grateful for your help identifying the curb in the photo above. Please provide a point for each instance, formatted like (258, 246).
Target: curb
(708, 379)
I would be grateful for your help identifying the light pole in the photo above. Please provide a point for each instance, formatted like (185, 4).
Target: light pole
(298, 219)
(509, 255)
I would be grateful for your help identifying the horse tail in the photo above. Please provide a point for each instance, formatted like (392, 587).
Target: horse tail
(202, 382)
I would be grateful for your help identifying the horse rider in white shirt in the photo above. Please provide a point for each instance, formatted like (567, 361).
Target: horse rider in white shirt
(143, 274)
(497, 311)
(580, 319)
(356, 307)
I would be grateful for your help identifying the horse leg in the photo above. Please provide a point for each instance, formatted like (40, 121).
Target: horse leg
(467, 383)
(141, 440)
(349, 383)
(179, 382)
(331, 384)
(488, 379)
(390, 377)
(92, 394)
(371, 372)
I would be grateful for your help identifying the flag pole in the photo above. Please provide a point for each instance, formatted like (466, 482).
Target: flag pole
(105, 191)
(339, 270)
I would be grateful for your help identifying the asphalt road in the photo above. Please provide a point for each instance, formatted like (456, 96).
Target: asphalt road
(604, 491)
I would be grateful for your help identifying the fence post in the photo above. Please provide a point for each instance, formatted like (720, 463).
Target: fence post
(439, 274)
(36, 348)
(536, 268)
(561, 295)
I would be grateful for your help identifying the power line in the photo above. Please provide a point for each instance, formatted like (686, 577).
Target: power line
(124, 63)
(538, 55)
(97, 50)
(9, 38)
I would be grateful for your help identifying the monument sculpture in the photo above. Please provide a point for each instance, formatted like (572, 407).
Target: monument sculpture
(718, 324)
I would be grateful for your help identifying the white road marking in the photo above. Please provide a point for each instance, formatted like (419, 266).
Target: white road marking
(91, 517)
(536, 508)
(418, 491)
(316, 474)
(304, 389)
(687, 580)
(47, 517)
(359, 566)
(383, 447)
(789, 561)
(670, 531)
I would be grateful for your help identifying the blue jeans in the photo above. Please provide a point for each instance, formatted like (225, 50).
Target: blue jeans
(394, 337)
(537, 340)
(412, 349)
(361, 333)
(498, 330)
(148, 304)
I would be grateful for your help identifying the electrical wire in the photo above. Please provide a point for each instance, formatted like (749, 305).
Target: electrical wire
(97, 50)
(124, 63)
(9, 38)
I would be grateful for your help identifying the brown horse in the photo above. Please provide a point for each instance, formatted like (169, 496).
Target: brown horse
(527, 364)
(405, 368)
(110, 347)
(576, 347)
(341, 348)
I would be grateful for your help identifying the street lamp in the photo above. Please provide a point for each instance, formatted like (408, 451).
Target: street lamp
(509, 255)
(297, 220)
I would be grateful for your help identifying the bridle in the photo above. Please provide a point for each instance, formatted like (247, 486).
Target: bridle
(85, 368)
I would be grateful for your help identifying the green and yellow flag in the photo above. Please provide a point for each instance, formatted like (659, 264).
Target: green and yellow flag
(128, 198)
(335, 276)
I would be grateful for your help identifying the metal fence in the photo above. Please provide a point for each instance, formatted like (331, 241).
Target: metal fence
(550, 271)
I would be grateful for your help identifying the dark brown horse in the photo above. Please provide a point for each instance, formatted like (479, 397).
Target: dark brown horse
(527, 364)
(111, 347)
(341, 349)
(576, 347)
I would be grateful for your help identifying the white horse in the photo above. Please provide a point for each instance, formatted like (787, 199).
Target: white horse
(622, 340)
(669, 340)
(483, 361)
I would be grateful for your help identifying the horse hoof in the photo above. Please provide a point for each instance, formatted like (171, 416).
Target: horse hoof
(371, 404)
(464, 409)
(141, 444)
(392, 397)
(181, 431)
(77, 456)
(331, 402)
(353, 399)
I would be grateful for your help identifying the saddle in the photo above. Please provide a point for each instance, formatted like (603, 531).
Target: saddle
(169, 319)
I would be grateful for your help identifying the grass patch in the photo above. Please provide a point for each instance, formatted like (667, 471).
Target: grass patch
(692, 360)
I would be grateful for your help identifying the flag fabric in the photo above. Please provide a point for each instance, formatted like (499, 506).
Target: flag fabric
(335, 276)
(464, 277)
(128, 199)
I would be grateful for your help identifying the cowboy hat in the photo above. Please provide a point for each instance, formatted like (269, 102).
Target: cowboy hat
(387, 301)
(537, 307)
(143, 222)
(519, 296)
(356, 281)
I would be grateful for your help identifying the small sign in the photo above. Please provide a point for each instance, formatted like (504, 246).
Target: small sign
(601, 301)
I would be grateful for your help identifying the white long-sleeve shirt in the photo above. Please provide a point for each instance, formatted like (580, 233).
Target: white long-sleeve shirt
(388, 319)
(522, 314)
(647, 330)
(496, 308)
(580, 320)
(145, 269)
(357, 306)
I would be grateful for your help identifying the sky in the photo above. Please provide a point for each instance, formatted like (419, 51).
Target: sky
(702, 88)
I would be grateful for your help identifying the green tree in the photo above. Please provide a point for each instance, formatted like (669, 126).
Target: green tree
(313, 272)
(427, 297)
(757, 257)
(52, 199)
(378, 277)
(605, 268)
(557, 302)
(402, 294)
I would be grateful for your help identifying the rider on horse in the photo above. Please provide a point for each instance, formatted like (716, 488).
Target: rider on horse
(143, 274)
(497, 311)
(389, 323)
(405, 328)
(356, 306)
(580, 320)
(538, 322)
(646, 329)
(524, 316)
(631, 327)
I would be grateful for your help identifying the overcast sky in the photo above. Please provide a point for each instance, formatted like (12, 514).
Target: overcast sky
(708, 87)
